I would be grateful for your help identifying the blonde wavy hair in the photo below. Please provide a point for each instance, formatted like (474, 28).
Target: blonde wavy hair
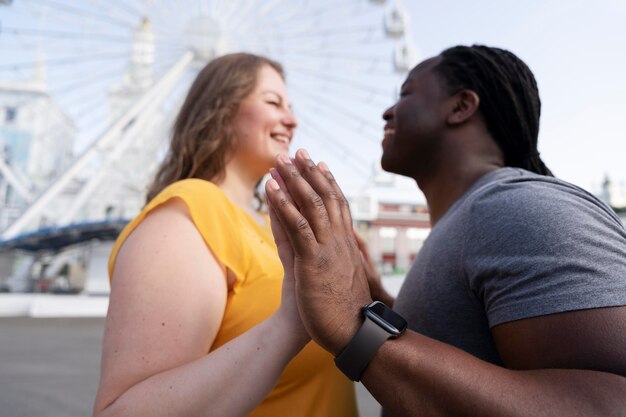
(202, 136)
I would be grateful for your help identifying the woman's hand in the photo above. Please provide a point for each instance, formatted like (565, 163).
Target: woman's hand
(288, 306)
(377, 289)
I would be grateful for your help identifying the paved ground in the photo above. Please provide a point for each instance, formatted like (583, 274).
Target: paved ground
(50, 366)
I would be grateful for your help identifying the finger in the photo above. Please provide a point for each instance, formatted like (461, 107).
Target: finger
(281, 183)
(305, 199)
(285, 251)
(341, 198)
(362, 245)
(366, 258)
(320, 184)
(294, 225)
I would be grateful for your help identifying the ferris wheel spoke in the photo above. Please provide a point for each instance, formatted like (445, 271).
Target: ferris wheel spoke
(330, 51)
(320, 41)
(316, 133)
(243, 15)
(69, 60)
(332, 35)
(107, 75)
(331, 8)
(163, 13)
(89, 115)
(82, 13)
(311, 15)
(91, 120)
(359, 87)
(233, 8)
(171, 37)
(313, 96)
(337, 56)
(173, 42)
(119, 10)
(84, 100)
(54, 34)
(168, 59)
(94, 181)
(13, 179)
(364, 40)
(378, 68)
(268, 7)
(124, 5)
(263, 17)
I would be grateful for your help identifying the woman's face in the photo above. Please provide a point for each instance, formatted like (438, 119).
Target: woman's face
(264, 123)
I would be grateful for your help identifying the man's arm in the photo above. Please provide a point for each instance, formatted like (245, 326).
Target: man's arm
(415, 375)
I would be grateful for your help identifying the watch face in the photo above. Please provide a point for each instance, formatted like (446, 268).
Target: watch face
(386, 317)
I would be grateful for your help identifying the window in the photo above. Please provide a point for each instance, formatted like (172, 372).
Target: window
(415, 238)
(10, 114)
(388, 239)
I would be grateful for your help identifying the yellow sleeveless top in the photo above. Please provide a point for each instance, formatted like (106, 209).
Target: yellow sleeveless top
(311, 385)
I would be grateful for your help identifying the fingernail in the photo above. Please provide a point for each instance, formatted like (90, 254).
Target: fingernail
(283, 157)
(323, 166)
(273, 184)
(304, 153)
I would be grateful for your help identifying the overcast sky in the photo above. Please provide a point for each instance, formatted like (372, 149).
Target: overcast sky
(577, 51)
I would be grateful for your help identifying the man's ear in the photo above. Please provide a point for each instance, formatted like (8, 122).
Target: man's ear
(464, 104)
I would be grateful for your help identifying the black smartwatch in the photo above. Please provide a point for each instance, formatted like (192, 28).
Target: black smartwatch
(381, 323)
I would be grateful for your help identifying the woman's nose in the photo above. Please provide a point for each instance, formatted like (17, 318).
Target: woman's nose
(290, 120)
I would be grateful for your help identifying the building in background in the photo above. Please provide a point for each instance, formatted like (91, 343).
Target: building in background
(139, 74)
(36, 143)
(36, 146)
(390, 213)
(613, 193)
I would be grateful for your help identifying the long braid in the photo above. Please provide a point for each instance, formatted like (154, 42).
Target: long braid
(509, 99)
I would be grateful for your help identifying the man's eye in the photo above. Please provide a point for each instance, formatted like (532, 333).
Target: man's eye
(274, 103)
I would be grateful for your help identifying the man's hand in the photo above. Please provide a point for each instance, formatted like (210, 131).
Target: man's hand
(331, 285)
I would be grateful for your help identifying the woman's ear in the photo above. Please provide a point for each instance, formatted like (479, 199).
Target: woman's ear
(464, 105)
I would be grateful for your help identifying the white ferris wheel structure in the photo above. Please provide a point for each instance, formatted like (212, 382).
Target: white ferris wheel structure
(119, 69)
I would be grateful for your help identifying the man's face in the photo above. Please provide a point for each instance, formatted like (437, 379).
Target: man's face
(415, 123)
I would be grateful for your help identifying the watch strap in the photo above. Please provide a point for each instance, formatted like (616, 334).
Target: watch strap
(355, 357)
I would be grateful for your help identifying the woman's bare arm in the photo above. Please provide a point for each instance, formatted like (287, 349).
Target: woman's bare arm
(166, 306)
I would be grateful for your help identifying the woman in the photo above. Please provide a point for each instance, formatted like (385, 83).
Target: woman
(196, 326)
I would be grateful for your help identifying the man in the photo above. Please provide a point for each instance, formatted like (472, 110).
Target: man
(516, 302)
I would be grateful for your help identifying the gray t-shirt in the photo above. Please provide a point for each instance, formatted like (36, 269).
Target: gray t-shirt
(515, 245)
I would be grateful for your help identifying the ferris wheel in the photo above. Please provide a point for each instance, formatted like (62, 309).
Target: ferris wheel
(117, 70)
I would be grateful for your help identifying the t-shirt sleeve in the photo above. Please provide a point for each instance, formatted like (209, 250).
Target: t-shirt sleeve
(214, 217)
(538, 248)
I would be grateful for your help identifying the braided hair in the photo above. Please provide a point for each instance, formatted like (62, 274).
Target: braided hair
(509, 99)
